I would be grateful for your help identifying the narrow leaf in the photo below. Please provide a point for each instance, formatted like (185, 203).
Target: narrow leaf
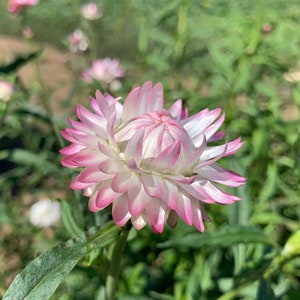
(27, 158)
(227, 236)
(68, 220)
(43, 275)
(265, 291)
(18, 62)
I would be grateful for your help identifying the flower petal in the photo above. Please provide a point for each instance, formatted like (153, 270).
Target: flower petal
(207, 192)
(222, 175)
(197, 125)
(96, 122)
(103, 197)
(79, 185)
(184, 209)
(157, 213)
(83, 158)
(92, 175)
(120, 211)
(142, 100)
(166, 159)
(124, 181)
(223, 150)
(137, 200)
(139, 221)
(111, 166)
(134, 147)
(170, 194)
(153, 185)
(176, 110)
(71, 149)
(199, 215)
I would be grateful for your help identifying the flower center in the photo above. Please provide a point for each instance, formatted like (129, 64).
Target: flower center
(161, 117)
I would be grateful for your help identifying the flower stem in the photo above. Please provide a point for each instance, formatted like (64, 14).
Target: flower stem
(115, 264)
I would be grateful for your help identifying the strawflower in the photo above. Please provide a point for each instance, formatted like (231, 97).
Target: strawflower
(152, 164)
(104, 70)
(91, 11)
(78, 41)
(44, 213)
(6, 90)
(16, 6)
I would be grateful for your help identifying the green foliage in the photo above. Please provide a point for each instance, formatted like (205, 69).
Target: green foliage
(225, 237)
(41, 277)
(18, 62)
(212, 53)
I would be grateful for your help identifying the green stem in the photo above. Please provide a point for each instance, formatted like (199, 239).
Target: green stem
(3, 111)
(181, 29)
(115, 265)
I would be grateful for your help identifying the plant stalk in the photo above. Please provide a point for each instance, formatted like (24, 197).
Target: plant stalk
(115, 266)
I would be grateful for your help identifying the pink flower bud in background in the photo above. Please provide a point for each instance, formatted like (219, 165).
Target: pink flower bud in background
(78, 41)
(6, 90)
(104, 70)
(27, 32)
(44, 213)
(16, 6)
(267, 28)
(91, 11)
(153, 165)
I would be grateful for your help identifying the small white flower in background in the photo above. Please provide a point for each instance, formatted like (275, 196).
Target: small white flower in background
(6, 90)
(91, 11)
(44, 213)
(115, 85)
(78, 41)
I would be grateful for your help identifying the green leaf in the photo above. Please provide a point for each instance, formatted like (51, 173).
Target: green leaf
(19, 61)
(265, 291)
(260, 142)
(270, 185)
(254, 270)
(68, 220)
(158, 296)
(227, 236)
(43, 275)
(27, 158)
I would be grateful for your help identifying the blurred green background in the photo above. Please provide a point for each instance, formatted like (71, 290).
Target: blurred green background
(242, 56)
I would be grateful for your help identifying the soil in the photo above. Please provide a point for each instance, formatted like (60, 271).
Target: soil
(53, 67)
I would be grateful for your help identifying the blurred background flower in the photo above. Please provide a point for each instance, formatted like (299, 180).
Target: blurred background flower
(16, 6)
(104, 70)
(91, 11)
(78, 41)
(27, 32)
(6, 90)
(44, 213)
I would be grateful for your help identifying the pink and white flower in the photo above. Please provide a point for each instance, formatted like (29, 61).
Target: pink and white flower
(91, 11)
(78, 41)
(16, 6)
(104, 70)
(6, 90)
(152, 164)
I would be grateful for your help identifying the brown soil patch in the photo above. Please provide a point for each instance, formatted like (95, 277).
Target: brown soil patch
(52, 66)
